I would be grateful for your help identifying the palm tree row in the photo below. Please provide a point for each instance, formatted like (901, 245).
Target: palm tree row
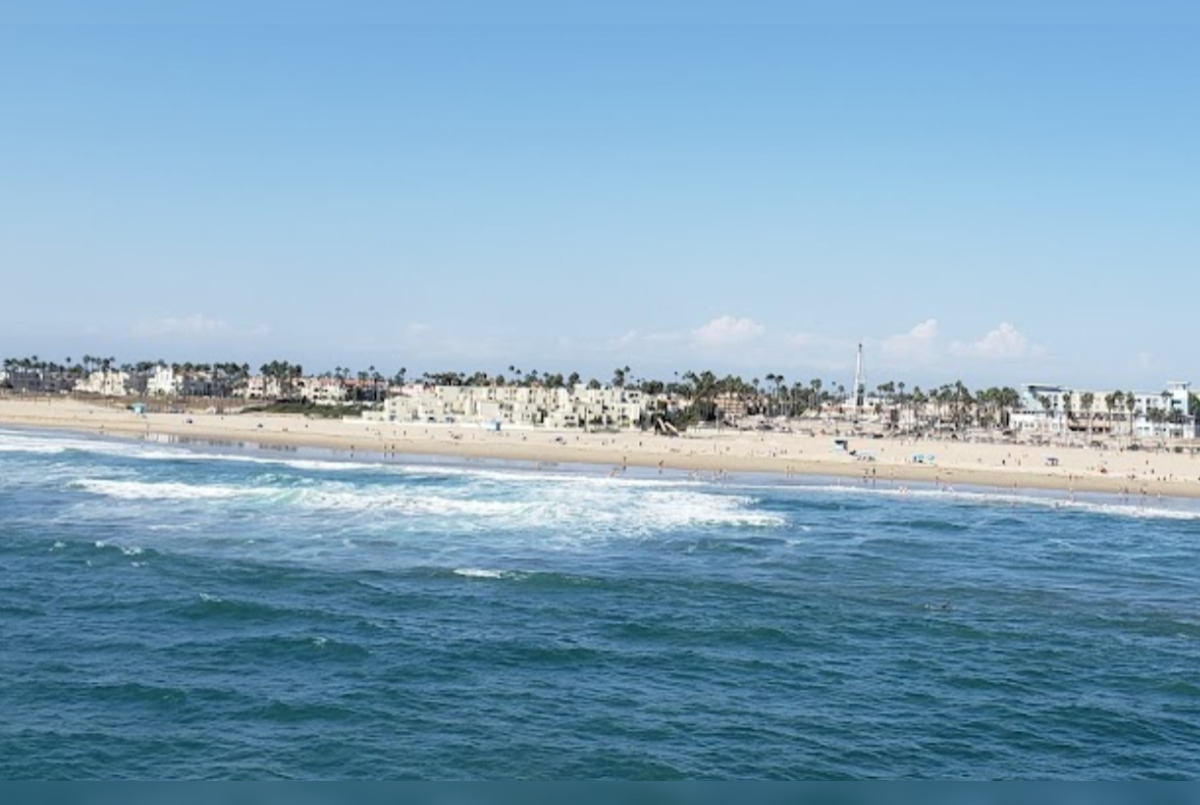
(950, 404)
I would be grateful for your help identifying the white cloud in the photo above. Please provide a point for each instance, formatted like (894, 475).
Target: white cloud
(633, 340)
(197, 326)
(1145, 361)
(622, 341)
(725, 331)
(1005, 342)
(918, 345)
(417, 329)
(818, 351)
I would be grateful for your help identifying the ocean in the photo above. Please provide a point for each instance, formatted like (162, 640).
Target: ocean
(196, 611)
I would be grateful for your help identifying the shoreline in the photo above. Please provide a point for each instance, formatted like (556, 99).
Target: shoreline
(1004, 467)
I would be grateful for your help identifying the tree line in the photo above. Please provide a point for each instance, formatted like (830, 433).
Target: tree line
(708, 393)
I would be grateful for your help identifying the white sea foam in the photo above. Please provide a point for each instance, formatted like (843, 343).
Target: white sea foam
(565, 507)
(402, 502)
(11, 442)
(1109, 505)
(643, 498)
(1095, 503)
(139, 490)
(644, 510)
(478, 573)
(507, 476)
(50, 444)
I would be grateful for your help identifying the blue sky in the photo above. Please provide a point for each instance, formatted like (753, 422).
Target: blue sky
(996, 203)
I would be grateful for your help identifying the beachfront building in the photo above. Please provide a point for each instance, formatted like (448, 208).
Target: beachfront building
(517, 406)
(734, 406)
(321, 390)
(164, 381)
(262, 387)
(1058, 411)
(614, 407)
(171, 381)
(22, 380)
(111, 383)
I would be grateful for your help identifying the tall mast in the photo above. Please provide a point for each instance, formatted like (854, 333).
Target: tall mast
(860, 384)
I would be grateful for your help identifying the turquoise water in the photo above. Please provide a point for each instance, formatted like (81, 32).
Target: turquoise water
(179, 611)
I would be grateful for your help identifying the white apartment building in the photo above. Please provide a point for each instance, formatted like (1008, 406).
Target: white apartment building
(164, 381)
(37, 381)
(261, 387)
(113, 383)
(519, 406)
(321, 390)
(1055, 409)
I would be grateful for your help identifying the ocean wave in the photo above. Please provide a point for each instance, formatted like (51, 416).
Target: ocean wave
(479, 573)
(11, 441)
(580, 509)
(1094, 503)
(161, 490)
(405, 502)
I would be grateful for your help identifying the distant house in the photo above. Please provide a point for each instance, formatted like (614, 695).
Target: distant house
(111, 383)
(528, 406)
(262, 387)
(38, 381)
(321, 390)
(1056, 409)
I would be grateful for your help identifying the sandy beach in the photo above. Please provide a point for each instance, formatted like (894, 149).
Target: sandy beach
(891, 460)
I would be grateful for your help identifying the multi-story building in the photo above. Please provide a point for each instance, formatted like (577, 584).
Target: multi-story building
(164, 382)
(111, 383)
(168, 381)
(522, 406)
(321, 390)
(38, 381)
(262, 387)
(1056, 409)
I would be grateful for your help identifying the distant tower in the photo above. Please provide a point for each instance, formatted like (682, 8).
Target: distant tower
(860, 383)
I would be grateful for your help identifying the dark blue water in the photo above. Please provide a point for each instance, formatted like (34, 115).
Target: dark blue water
(177, 613)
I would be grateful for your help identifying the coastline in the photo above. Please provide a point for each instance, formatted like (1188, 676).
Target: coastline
(1002, 466)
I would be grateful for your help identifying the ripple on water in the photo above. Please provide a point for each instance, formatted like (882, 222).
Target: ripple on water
(296, 619)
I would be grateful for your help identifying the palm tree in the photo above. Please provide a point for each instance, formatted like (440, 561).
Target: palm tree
(1046, 406)
(963, 403)
(1131, 406)
(1012, 401)
(919, 398)
(1088, 399)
